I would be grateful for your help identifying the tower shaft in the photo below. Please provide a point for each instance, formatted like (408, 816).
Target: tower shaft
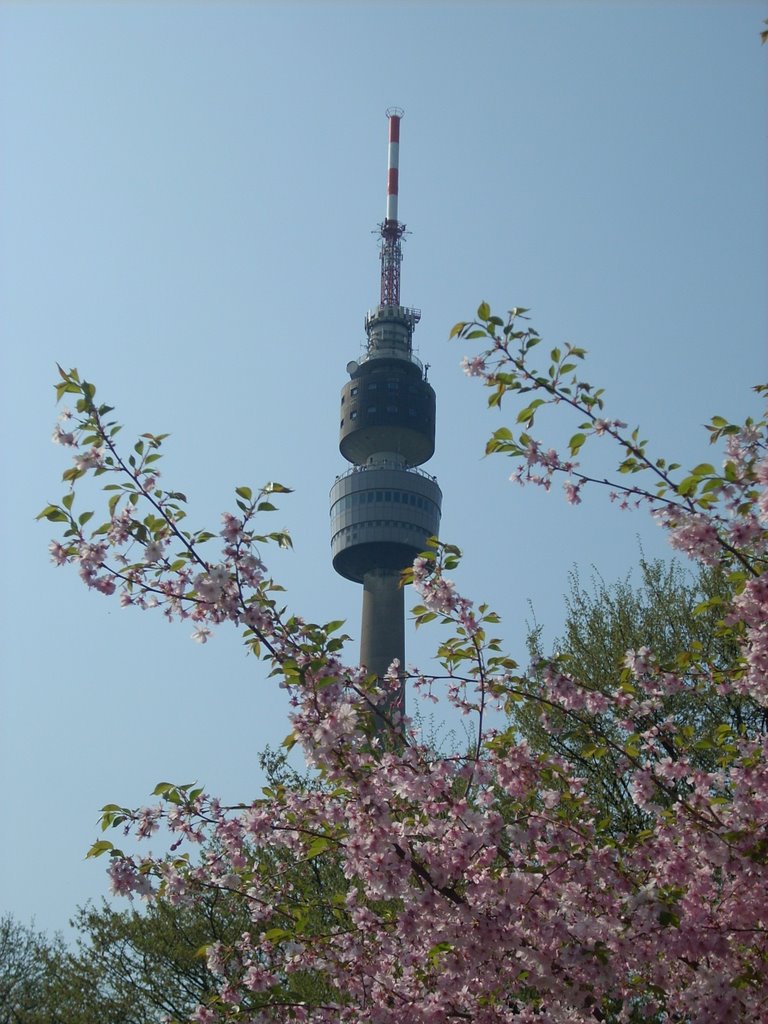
(382, 630)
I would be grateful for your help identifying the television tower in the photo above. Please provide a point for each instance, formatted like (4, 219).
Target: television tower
(384, 507)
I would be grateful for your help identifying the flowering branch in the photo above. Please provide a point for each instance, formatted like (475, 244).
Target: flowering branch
(486, 886)
(687, 506)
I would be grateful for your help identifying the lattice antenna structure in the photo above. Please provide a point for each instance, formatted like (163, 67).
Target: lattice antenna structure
(391, 230)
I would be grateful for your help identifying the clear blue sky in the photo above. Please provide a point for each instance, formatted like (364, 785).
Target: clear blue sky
(187, 197)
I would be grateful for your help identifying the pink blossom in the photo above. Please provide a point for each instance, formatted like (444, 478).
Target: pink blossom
(126, 879)
(147, 822)
(532, 452)
(154, 551)
(120, 526)
(204, 1015)
(251, 569)
(639, 662)
(60, 436)
(572, 494)
(232, 530)
(104, 584)
(257, 979)
(439, 595)
(421, 569)
(91, 459)
(693, 534)
(474, 367)
(59, 554)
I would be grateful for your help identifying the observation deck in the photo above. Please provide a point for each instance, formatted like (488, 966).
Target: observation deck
(381, 518)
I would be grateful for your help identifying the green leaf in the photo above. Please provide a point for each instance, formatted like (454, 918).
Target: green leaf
(438, 950)
(290, 741)
(527, 414)
(99, 847)
(53, 514)
(244, 492)
(318, 845)
(576, 442)
(687, 487)
(668, 918)
(483, 311)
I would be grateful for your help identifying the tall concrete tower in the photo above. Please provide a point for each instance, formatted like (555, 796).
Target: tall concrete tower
(384, 507)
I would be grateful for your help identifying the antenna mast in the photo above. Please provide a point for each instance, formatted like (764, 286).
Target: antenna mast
(391, 230)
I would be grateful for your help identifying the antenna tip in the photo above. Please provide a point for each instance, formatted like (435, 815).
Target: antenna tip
(395, 111)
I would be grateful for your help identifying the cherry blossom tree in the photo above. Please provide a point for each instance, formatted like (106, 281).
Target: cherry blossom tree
(487, 886)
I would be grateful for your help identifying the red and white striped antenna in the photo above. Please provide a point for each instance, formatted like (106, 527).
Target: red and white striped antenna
(393, 160)
(391, 229)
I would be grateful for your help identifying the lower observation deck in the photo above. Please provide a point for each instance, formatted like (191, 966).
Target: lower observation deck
(381, 519)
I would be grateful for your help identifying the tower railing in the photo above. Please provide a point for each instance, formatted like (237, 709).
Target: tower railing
(408, 313)
(390, 353)
(383, 465)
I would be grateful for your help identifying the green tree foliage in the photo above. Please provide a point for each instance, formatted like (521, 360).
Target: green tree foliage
(149, 965)
(126, 967)
(669, 610)
(25, 957)
(143, 967)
